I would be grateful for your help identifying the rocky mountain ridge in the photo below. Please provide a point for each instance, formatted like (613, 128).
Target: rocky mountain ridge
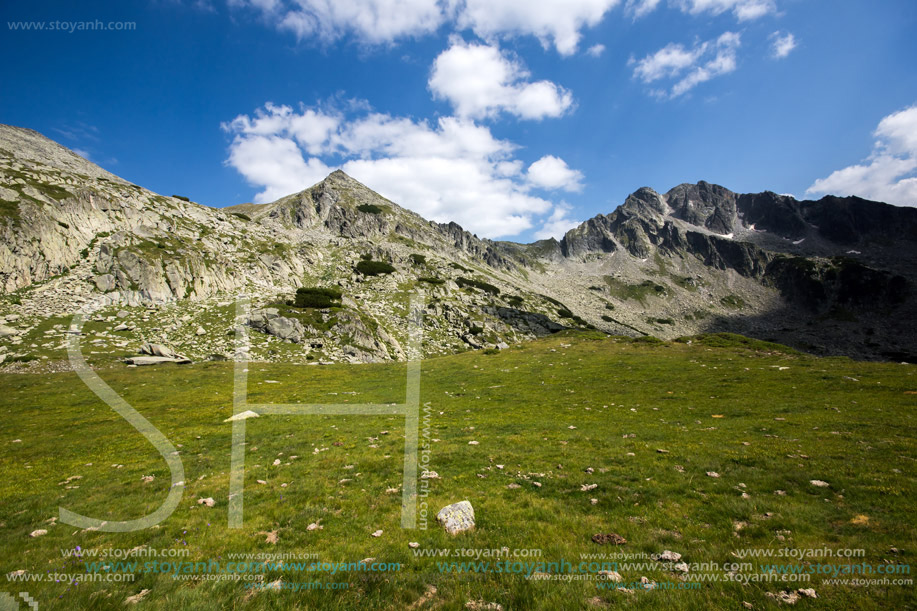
(831, 276)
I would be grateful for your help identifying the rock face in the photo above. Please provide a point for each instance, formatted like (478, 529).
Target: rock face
(456, 518)
(270, 322)
(833, 276)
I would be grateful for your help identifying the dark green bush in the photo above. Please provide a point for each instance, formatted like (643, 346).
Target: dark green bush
(564, 313)
(476, 330)
(607, 318)
(431, 280)
(63, 224)
(370, 208)
(478, 284)
(244, 217)
(374, 268)
(461, 268)
(317, 297)
(418, 259)
(181, 197)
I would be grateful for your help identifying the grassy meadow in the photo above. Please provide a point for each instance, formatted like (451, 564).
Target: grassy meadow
(643, 421)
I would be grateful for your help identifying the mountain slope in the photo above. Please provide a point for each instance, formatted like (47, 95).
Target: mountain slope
(831, 276)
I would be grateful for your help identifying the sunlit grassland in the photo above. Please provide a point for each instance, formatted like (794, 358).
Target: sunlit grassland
(764, 419)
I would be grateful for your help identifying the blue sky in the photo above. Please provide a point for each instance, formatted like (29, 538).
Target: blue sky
(516, 118)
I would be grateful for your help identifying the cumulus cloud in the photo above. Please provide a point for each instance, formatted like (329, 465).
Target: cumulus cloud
(480, 81)
(744, 10)
(596, 50)
(782, 44)
(688, 67)
(559, 223)
(552, 22)
(551, 172)
(889, 174)
(454, 169)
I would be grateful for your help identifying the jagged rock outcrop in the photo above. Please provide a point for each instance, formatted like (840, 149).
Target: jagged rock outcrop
(699, 257)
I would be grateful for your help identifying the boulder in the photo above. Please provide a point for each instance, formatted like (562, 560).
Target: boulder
(156, 350)
(456, 518)
(8, 331)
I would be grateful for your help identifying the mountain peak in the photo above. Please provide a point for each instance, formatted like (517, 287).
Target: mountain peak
(29, 145)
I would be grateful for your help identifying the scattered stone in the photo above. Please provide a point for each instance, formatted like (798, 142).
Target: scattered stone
(426, 597)
(456, 518)
(712, 474)
(611, 576)
(819, 483)
(661, 451)
(378, 533)
(789, 598)
(413, 544)
(429, 475)
(314, 526)
(480, 605)
(588, 487)
(242, 416)
(612, 538)
(513, 486)
(200, 331)
(136, 598)
(38, 533)
(473, 443)
(209, 502)
(667, 556)
(807, 592)
(594, 501)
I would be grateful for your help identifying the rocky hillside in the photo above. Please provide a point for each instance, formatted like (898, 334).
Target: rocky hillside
(832, 276)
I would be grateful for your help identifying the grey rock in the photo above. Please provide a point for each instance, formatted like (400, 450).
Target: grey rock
(456, 518)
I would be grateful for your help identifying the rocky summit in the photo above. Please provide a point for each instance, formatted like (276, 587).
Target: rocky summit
(329, 272)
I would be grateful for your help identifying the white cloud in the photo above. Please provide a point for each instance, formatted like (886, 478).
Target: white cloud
(888, 174)
(782, 44)
(551, 172)
(744, 10)
(275, 163)
(596, 50)
(556, 225)
(370, 21)
(480, 81)
(551, 21)
(690, 66)
(640, 8)
(454, 170)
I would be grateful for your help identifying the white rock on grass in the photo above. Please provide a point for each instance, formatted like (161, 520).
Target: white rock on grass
(209, 502)
(242, 416)
(456, 518)
(819, 484)
(38, 533)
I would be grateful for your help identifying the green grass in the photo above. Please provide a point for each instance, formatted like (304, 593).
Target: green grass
(637, 292)
(762, 416)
